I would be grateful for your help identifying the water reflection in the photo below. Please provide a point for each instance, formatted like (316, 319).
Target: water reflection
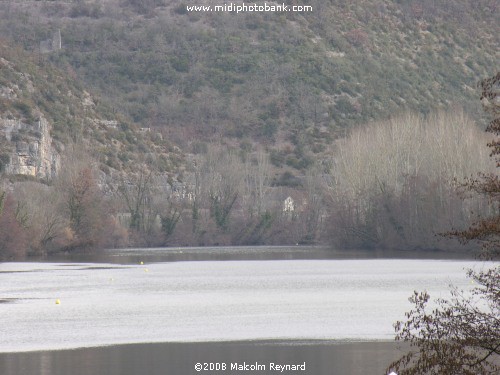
(180, 358)
(176, 254)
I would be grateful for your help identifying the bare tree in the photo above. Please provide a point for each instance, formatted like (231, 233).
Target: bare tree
(462, 335)
(257, 181)
(13, 240)
(222, 178)
(486, 230)
(154, 211)
(85, 206)
(393, 183)
(45, 218)
(314, 186)
(136, 192)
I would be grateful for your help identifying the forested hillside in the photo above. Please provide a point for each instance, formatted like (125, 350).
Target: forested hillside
(141, 123)
(50, 107)
(292, 82)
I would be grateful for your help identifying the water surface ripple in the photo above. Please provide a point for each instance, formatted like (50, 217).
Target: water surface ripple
(106, 304)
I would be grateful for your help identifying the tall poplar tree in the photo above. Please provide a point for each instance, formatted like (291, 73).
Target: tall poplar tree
(462, 335)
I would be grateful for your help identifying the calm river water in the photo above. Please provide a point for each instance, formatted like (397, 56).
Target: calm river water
(163, 311)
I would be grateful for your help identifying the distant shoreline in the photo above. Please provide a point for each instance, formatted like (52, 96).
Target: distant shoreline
(261, 252)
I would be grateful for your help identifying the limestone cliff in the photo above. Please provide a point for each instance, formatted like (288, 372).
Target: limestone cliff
(43, 110)
(31, 150)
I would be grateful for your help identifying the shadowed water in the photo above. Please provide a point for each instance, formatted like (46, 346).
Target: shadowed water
(180, 358)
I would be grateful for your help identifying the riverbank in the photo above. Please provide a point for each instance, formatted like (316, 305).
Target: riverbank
(218, 253)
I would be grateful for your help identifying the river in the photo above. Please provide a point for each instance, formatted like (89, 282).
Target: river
(162, 311)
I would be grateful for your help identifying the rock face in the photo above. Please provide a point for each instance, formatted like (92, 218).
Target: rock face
(33, 153)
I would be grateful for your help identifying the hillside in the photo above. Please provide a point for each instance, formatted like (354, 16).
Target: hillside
(288, 82)
(140, 123)
(43, 110)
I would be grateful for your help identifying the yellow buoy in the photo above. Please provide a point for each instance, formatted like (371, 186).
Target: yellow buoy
(58, 301)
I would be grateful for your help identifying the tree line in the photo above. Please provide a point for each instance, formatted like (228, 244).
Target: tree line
(389, 184)
(461, 335)
(394, 184)
(225, 198)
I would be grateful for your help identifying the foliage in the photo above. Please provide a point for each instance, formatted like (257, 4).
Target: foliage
(86, 209)
(486, 229)
(44, 216)
(264, 76)
(292, 83)
(257, 231)
(460, 336)
(169, 222)
(36, 88)
(80, 191)
(137, 195)
(13, 237)
(221, 208)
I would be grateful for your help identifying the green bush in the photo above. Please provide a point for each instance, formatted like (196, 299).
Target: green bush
(25, 110)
